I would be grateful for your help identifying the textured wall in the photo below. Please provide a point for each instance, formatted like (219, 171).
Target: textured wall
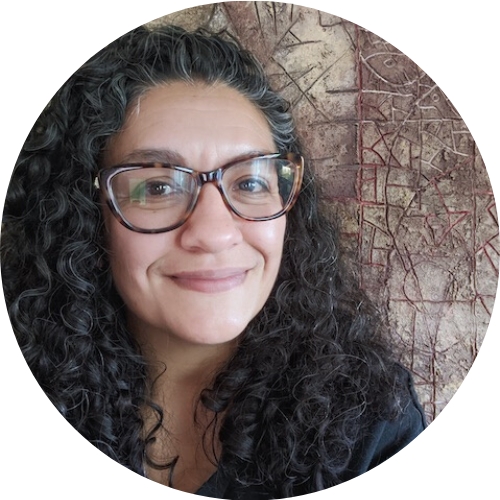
(401, 169)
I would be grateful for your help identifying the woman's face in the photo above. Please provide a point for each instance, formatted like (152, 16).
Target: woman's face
(204, 281)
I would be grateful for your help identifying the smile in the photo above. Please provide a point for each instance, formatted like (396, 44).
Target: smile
(211, 281)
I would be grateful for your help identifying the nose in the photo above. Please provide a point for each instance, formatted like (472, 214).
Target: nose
(212, 227)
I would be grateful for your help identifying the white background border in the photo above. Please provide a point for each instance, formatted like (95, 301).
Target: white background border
(43, 43)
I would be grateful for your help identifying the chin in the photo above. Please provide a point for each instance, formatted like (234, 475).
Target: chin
(213, 334)
(213, 340)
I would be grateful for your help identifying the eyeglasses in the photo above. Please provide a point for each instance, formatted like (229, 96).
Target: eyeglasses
(159, 197)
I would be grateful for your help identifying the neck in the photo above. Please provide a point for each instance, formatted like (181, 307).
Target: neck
(176, 364)
(179, 371)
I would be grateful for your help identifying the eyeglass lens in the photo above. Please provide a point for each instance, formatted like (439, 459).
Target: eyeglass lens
(154, 198)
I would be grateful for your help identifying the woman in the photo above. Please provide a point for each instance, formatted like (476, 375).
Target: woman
(177, 292)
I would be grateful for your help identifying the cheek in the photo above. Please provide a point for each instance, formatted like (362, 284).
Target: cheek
(131, 253)
(268, 237)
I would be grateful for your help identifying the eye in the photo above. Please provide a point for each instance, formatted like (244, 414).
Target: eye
(251, 182)
(252, 185)
(156, 190)
(158, 187)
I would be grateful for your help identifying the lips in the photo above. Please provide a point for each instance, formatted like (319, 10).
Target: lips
(211, 280)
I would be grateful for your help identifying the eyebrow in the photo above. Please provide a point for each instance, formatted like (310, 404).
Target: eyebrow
(171, 157)
(154, 155)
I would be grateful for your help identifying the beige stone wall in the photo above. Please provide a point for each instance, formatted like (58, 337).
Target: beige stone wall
(398, 165)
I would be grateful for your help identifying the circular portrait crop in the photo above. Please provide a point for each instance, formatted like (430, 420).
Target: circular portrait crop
(249, 250)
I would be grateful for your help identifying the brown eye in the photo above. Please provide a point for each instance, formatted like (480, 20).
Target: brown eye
(158, 187)
(252, 185)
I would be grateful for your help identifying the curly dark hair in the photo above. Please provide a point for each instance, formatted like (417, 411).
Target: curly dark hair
(311, 372)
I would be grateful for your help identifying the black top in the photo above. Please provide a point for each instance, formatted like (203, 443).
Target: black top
(384, 440)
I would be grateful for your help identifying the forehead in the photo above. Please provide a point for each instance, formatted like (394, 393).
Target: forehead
(194, 119)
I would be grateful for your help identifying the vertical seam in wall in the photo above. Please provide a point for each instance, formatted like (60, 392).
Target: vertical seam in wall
(359, 147)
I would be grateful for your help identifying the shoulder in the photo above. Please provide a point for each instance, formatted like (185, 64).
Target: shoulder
(386, 437)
